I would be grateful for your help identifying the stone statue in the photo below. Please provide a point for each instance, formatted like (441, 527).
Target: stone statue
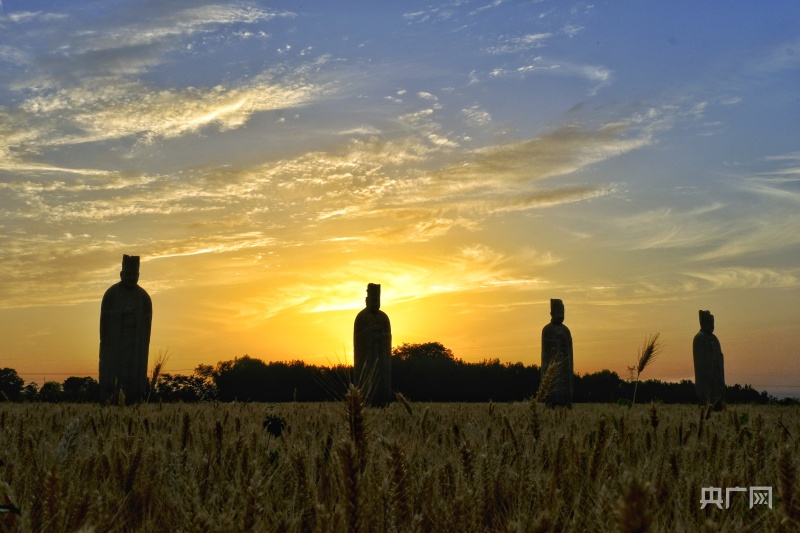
(372, 350)
(126, 315)
(709, 367)
(557, 349)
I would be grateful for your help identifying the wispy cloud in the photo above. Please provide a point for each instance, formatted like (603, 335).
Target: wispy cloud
(514, 45)
(120, 42)
(748, 278)
(476, 117)
(597, 74)
(97, 112)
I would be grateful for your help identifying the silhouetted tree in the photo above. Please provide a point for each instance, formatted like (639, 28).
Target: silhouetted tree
(243, 378)
(654, 390)
(50, 392)
(30, 392)
(204, 371)
(425, 372)
(747, 394)
(603, 386)
(181, 388)
(429, 372)
(426, 351)
(10, 385)
(80, 389)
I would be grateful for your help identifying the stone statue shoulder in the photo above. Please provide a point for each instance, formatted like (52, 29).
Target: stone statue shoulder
(556, 329)
(706, 343)
(366, 313)
(118, 291)
(702, 336)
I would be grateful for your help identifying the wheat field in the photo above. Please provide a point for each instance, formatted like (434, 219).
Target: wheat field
(339, 466)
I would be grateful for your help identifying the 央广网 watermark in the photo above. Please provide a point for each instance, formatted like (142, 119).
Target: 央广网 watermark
(713, 495)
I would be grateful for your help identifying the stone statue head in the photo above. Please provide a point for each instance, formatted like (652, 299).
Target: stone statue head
(130, 270)
(706, 322)
(556, 311)
(373, 297)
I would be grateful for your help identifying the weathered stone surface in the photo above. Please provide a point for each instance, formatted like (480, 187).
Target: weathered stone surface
(126, 316)
(557, 349)
(372, 350)
(709, 364)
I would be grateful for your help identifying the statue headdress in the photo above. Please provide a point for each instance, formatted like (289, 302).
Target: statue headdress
(130, 263)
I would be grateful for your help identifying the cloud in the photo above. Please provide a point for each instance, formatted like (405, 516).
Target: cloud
(24, 17)
(361, 130)
(134, 112)
(558, 152)
(671, 228)
(483, 182)
(422, 122)
(110, 112)
(13, 55)
(122, 42)
(476, 117)
(757, 235)
(598, 75)
(84, 84)
(782, 185)
(63, 275)
(747, 278)
(514, 45)
(75, 267)
(781, 58)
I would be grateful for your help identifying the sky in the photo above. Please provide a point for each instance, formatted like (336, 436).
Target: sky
(267, 160)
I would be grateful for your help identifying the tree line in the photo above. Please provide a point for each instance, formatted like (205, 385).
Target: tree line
(420, 372)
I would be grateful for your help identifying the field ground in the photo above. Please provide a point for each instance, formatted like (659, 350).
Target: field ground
(418, 467)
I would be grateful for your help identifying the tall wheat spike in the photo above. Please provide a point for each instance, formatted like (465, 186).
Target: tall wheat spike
(401, 486)
(404, 402)
(548, 382)
(161, 360)
(354, 408)
(650, 350)
(787, 475)
(633, 509)
(352, 490)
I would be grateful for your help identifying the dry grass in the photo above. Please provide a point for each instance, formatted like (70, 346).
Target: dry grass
(421, 467)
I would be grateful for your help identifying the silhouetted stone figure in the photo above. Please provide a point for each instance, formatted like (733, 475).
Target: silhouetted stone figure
(372, 350)
(126, 315)
(709, 367)
(557, 348)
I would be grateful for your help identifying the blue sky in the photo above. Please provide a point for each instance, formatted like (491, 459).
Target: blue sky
(640, 161)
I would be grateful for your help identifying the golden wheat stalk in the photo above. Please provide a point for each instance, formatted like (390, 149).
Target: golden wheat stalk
(354, 407)
(351, 481)
(404, 402)
(400, 483)
(548, 382)
(787, 477)
(161, 360)
(634, 512)
(650, 350)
